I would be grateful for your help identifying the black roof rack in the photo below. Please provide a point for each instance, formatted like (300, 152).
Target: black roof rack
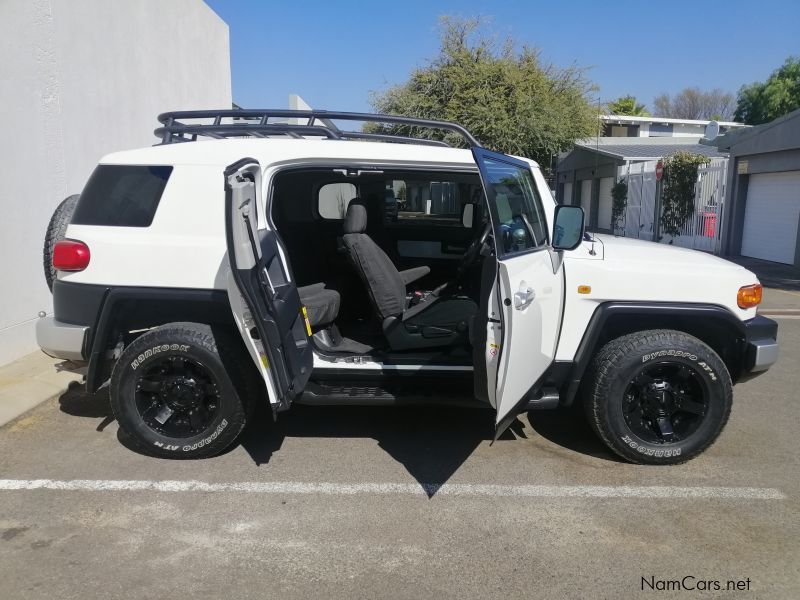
(183, 125)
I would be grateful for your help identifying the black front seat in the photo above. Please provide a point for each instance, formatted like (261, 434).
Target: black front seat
(433, 322)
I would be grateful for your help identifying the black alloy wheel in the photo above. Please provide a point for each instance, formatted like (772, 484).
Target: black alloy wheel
(177, 396)
(666, 402)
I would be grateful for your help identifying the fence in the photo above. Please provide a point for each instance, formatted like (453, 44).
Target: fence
(701, 232)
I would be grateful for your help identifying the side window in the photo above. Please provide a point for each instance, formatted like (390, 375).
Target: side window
(520, 221)
(426, 202)
(333, 199)
(121, 196)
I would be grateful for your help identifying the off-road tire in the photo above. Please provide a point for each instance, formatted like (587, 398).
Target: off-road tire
(621, 360)
(214, 349)
(56, 230)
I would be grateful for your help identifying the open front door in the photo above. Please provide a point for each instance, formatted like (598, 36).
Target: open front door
(264, 299)
(523, 293)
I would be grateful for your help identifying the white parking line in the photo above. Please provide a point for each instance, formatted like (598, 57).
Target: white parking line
(418, 489)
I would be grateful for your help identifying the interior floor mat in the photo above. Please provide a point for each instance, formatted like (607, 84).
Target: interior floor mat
(327, 343)
(352, 347)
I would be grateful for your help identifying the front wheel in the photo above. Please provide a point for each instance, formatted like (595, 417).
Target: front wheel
(180, 391)
(658, 397)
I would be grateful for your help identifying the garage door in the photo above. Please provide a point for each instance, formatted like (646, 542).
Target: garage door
(566, 198)
(771, 216)
(604, 204)
(586, 199)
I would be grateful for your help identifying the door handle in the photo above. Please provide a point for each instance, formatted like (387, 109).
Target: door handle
(524, 296)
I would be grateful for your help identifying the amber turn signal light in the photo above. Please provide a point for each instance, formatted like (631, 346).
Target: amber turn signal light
(749, 295)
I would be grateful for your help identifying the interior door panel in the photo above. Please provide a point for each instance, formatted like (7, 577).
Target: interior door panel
(258, 265)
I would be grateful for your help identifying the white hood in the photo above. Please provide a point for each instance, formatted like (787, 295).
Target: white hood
(639, 271)
(629, 250)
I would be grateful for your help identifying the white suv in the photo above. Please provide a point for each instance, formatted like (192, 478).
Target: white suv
(198, 279)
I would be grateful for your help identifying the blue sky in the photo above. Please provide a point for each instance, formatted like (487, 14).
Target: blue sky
(335, 53)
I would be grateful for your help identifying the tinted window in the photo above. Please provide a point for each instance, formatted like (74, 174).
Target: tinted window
(334, 198)
(123, 196)
(519, 217)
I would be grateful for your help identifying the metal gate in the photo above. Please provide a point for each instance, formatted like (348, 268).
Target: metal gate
(704, 230)
(641, 203)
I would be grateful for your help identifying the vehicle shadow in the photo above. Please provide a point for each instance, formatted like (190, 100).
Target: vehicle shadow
(76, 401)
(431, 442)
(569, 429)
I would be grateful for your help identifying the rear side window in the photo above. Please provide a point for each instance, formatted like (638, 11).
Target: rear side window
(121, 196)
(334, 198)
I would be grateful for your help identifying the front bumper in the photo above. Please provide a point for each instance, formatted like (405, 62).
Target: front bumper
(761, 345)
(61, 340)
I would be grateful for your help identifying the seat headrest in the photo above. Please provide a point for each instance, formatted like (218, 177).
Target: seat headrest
(355, 221)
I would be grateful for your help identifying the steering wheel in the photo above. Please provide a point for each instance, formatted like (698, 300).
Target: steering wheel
(474, 250)
(470, 256)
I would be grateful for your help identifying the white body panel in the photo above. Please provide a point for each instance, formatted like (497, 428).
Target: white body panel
(186, 233)
(771, 216)
(636, 270)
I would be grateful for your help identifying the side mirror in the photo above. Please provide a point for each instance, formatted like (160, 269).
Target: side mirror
(567, 227)
(467, 215)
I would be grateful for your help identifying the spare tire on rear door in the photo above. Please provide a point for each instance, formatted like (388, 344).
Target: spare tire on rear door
(56, 230)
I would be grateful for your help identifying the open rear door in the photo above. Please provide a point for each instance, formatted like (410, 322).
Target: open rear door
(522, 295)
(264, 299)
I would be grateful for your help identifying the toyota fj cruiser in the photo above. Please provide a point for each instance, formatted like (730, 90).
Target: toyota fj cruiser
(287, 259)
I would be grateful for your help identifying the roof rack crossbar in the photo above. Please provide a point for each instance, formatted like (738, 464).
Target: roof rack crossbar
(174, 129)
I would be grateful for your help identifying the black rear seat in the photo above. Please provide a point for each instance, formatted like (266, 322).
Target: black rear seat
(322, 304)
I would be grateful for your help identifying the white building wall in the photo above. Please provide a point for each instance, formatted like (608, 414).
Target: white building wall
(686, 130)
(82, 78)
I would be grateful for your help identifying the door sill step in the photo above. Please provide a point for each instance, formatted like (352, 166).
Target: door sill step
(547, 399)
(417, 392)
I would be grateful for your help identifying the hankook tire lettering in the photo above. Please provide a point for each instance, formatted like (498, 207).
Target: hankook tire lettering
(156, 350)
(657, 452)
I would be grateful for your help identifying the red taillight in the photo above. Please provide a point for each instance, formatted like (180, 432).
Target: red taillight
(70, 255)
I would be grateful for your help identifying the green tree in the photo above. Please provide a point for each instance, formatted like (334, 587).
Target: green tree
(626, 105)
(678, 189)
(780, 94)
(509, 99)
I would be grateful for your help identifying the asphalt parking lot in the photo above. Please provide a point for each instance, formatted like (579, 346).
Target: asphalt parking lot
(411, 503)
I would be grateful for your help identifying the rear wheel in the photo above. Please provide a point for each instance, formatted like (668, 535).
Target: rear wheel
(56, 230)
(658, 397)
(181, 391)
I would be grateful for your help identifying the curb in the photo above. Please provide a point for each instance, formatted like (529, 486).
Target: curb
(780, 312)
(10, 414)
(29, 382)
